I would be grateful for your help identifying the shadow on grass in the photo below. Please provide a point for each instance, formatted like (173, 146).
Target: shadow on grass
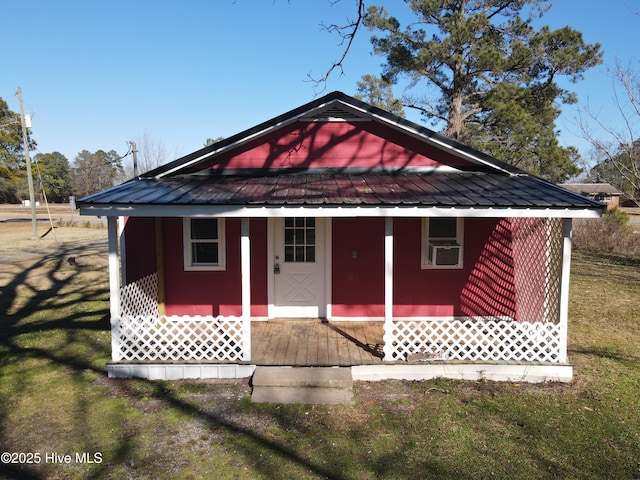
(390, 442)
(608, 353)
(51, 307)
(608, 259)
(44, 321)
(38, 301)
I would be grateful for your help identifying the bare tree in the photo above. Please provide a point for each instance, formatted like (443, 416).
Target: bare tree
(347, 33)
(150, 154)
(616, 155)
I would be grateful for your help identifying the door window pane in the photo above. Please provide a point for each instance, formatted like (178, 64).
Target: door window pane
(288, 253)
(300, 239)
(311, 254)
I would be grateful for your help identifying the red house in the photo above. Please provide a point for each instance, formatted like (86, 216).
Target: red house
(343, 212)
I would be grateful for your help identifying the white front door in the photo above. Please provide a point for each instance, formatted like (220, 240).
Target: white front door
(298, 268)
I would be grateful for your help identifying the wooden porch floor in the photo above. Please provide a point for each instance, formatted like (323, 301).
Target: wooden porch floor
(316, 343)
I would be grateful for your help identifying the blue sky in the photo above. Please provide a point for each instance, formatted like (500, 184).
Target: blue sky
(97, 73)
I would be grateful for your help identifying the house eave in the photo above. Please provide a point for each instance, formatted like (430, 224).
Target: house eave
(244, 211)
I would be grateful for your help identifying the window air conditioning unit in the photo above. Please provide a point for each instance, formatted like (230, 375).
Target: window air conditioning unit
(445, 253)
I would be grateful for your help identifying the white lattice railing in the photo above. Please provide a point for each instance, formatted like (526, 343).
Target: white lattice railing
(140, 333)
(472, 340)
(140, 297)
(531, 333)
(537, 261)
(173, 338)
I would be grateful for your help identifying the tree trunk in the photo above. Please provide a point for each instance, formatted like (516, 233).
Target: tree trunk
(455, 123)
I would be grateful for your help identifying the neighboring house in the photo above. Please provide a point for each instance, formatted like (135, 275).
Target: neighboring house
(341, 211)
(601, 192)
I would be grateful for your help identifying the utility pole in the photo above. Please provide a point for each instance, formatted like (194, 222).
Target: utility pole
(134, 150)
(27, 160)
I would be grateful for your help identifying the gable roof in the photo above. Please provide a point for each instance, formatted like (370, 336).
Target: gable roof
(189, 186)
(334, 106)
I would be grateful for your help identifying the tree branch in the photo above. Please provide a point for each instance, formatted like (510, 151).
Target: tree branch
(347, 34)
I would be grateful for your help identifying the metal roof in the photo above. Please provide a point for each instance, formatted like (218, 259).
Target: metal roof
(376, 189)
(484, 187)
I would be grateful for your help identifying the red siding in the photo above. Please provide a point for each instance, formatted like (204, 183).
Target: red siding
(335, 144)
(218, 292)
(196, 292)
(358, 283)
(140, 244)
(490, 288)
(483, 287)
(259, 267)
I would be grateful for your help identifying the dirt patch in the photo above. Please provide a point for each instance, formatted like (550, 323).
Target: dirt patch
(35, 264)
(55, 211)
(57, 225)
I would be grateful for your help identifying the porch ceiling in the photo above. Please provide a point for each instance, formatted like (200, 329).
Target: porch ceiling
(233, 195)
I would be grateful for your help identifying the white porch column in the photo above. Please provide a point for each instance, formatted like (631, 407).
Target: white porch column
(123, 251)
(388, 289)
(245, 268)
(114, 286)
(564, 288)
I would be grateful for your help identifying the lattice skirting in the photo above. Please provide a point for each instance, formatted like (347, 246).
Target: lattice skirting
(173, 338)
(473, 340)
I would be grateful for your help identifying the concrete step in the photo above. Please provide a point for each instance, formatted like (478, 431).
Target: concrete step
(302, 385)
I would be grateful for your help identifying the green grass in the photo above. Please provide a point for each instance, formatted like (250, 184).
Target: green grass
(54, 398)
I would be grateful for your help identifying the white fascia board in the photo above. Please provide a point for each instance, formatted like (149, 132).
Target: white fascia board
(232, 211)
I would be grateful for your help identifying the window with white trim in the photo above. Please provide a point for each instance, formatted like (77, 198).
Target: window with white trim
(442, 242)
(204, 244)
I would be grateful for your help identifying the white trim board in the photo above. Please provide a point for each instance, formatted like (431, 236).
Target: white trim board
(532, 373)
(117, 210)
(529, 373)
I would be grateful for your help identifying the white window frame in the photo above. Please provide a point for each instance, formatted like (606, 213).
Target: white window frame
(426, 239)
(187, 242)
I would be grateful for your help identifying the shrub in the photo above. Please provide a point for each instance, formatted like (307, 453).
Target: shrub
(609, 234)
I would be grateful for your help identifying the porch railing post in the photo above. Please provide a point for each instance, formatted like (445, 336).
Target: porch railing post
(245, 260)
(388, 289)
(114, 286)
(564, 289)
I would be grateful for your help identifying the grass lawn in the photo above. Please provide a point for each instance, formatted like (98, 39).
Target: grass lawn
(56, 400)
